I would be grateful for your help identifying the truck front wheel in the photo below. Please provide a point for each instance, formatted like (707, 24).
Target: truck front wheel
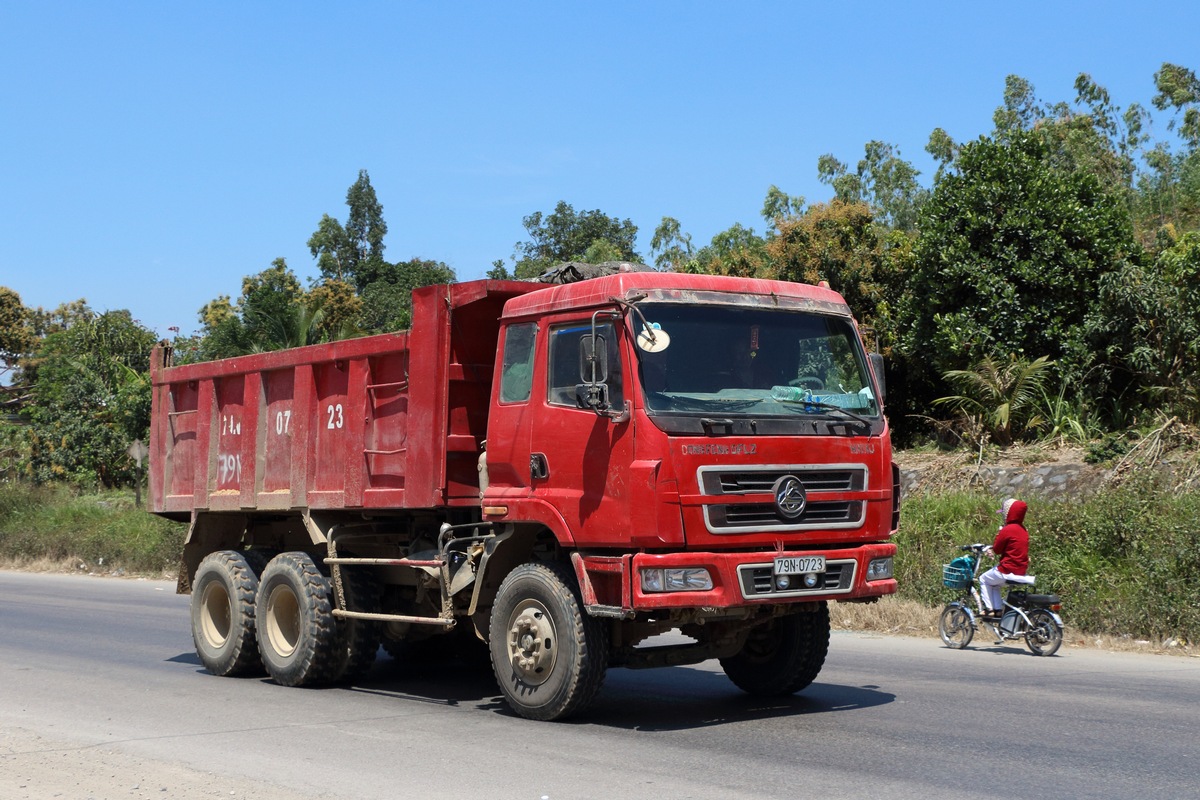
(223, 614)
(549, 656)
(297, 632)
(781, 656)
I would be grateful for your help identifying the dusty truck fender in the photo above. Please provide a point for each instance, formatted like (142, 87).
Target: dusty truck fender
(207, 533)
(516, 544)
(503, 564)
(605, 584)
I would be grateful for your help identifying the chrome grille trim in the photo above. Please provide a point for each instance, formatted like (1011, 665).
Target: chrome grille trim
(736, 518)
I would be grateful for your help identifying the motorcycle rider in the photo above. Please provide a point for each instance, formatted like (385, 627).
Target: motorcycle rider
(1012, 547)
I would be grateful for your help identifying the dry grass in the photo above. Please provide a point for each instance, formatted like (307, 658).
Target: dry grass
(72, 566)
(897, 617)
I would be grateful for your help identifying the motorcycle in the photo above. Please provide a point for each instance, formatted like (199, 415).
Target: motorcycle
(1028, 616)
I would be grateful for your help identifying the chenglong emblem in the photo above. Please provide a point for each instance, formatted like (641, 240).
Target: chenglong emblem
(790, 497)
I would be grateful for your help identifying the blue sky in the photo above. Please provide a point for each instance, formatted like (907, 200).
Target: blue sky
(154, 153)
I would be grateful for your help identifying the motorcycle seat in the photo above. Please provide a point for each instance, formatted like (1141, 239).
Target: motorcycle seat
(1043, 600)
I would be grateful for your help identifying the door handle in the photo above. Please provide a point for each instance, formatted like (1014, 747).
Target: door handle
(539, 469)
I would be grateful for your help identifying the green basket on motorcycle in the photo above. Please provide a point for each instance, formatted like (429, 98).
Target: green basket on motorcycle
(959, 572)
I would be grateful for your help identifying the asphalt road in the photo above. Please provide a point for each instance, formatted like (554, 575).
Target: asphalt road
(101, 696)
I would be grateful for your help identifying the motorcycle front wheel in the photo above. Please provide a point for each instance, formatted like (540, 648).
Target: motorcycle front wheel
(1045, 634)
(955, 626)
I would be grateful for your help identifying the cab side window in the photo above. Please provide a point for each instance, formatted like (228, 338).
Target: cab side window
(564, 372)
(516, 377)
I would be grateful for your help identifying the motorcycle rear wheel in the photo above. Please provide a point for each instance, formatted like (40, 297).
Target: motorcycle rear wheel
(1045, 634)
(955, 626)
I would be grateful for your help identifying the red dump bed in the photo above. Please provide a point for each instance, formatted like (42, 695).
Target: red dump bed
(390, 421)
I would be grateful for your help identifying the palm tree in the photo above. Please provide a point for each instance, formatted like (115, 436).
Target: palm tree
(999, 399)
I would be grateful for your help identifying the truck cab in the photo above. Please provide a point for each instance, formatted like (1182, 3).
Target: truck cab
(710, 454)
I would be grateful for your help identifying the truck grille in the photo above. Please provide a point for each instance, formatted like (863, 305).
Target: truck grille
(758, 580)
(742, 517)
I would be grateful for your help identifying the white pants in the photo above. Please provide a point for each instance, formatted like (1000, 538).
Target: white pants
(990, 583)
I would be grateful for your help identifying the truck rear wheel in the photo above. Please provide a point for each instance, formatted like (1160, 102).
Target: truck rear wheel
(223, 614)
(297, 632)
(782, 656)
(357, 639)
(548, 655)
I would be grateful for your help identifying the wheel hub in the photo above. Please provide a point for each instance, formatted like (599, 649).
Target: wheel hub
(215, 615)
(283, 621)
(532, 646)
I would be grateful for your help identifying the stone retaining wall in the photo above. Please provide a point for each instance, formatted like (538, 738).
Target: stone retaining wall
(1046, 481)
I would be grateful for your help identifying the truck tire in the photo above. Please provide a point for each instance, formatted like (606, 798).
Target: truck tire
(357, 639)
(297, 632)
(782, 656)
(548, 655)
(222, 609)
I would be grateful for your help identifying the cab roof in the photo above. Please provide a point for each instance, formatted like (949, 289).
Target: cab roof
(675, 287)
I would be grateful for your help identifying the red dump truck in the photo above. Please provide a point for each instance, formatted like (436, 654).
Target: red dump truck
(562, 472)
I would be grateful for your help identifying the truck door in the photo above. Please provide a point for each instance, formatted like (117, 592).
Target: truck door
(580, 460)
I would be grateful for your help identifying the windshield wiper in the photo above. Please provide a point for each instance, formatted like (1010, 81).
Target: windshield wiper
(827, 407)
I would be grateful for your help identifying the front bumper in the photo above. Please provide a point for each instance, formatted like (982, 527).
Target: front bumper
(739, 579)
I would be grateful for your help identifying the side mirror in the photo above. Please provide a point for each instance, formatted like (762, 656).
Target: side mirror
(876, 360)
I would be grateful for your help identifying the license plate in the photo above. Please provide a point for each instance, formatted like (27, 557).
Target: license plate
(798, 565)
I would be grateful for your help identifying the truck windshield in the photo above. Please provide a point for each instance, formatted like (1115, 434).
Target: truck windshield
(751, 361)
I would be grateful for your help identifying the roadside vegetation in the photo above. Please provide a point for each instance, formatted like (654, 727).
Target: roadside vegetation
(58, 528)
(1043, 286)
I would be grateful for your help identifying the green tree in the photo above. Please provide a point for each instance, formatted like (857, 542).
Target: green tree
(352, 252)
(61, 318)
(1179, 90)
(998, 399)
(1148, 330)
(737, 250)
(499, 272)
(566, 235)
(341, 309)
(16, 332)
(779, 206)
(90, 399)
(1021, 110)
(671, 247)
(1169, 190)
(387, 301)
(268, 306)
(882, 179)
(841, 243)
(1009, 259)
(1094, 135)
(944, 150)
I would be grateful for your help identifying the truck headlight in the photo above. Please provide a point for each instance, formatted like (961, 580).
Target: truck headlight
(879, 569)
(688, 579)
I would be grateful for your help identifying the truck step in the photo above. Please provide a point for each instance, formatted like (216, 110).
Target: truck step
(388, 562)
(445, 623)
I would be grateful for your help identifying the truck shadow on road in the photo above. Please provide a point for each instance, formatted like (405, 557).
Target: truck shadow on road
(672, 698)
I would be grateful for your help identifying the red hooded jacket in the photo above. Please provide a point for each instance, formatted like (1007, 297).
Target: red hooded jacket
(1012, 542)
